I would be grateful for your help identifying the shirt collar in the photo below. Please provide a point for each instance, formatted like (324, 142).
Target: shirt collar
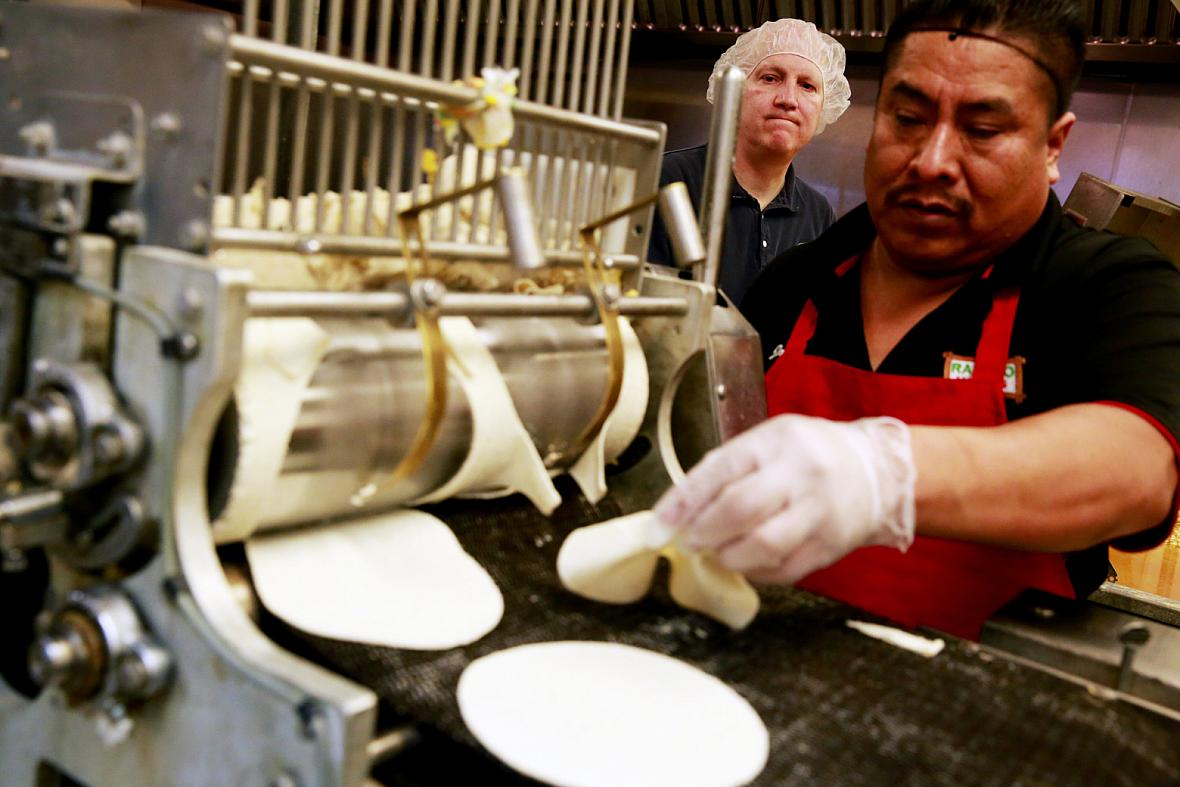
(787, 197)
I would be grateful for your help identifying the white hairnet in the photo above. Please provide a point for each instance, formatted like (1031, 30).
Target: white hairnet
(791, 37)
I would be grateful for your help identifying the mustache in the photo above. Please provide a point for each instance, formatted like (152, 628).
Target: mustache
(907, 193)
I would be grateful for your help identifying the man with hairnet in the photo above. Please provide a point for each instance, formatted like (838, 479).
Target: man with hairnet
(971, 396)
(795, 87)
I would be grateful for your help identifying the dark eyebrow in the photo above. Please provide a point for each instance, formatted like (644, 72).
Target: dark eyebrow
(994, 105)
(911, 92)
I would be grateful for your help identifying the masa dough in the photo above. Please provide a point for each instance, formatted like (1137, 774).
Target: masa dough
(502, 455)
(621, 425)
(614, 561)
(279, 357)
(603, 714)
(399, 579)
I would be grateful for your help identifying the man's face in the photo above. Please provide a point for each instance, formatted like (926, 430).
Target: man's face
(961, 157)
(781, 107)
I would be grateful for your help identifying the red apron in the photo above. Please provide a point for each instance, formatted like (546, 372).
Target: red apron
(951, 586)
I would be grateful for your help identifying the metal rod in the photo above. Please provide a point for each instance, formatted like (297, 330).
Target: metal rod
(279, 22)
(289, 303)
(512, 19)
(719, 168)
(295, 187)
(334, 69)
(563, 38)
(527, 48)
(450, 33)
(242, 152)
(592, 59)
(270, 154)
(324, 158)
(250, 18)
(309, 24)
(624, 53)
(608, 55)
(676, 209)
(490, 32)
(335, 26)
(372, 161)
(469, 40)
(546, 53)
(429, 28)
(579, 54)
(523, 244)
(405, 47)
(381, 747)
(384, 29)
(376, 246)
(348, 166)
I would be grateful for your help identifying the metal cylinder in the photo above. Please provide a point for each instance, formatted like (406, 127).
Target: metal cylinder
(362, 408)
(524, 245)
(719, 168)
(676, 210)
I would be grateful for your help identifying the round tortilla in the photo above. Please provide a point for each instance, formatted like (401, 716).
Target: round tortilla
(601, 713)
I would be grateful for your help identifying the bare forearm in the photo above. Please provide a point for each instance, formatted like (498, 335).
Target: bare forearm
(1060, 481)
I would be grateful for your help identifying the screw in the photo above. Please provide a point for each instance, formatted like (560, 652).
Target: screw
(1133, 636)
(192, 304)
(428, 294)
(61, 211)
(721, 391)
(195, 235)
(214, 40)
(167, 124)
(309, 246)
(133, 674)
(39, 136)
(117, 147)
(127, 224)
(109, 448)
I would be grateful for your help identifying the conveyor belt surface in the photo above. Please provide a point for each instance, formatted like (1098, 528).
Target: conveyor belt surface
(842, 709)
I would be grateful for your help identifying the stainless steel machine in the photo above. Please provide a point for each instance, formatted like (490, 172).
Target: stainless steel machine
(166, 180)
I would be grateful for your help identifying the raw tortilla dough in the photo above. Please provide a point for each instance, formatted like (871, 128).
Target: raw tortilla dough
(601, 713)
(399, 579)
(502, 455)
(898, 638)
(614, 561)
(279, 357)
(621, 425)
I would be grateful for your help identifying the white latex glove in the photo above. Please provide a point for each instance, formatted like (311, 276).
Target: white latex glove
(795, 494)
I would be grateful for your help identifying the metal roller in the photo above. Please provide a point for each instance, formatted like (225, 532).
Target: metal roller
(360, 412)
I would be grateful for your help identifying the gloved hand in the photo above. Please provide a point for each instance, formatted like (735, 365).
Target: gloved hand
(795, 494)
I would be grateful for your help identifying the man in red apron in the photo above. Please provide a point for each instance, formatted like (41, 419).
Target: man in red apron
(970, 396)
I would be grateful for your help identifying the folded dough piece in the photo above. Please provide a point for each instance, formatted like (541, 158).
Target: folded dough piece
(621, 425)
(279, 357)
(614, 562)
(400, 580)
(502, 456)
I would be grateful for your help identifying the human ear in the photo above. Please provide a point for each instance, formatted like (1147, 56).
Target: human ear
(1058, 133)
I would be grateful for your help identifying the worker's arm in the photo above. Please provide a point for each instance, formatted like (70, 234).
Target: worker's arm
(795, 493)
(1060, 481)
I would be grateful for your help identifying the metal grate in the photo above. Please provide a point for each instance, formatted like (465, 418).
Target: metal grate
(332, 107)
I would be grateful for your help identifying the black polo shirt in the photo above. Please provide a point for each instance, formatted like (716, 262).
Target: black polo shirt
(1098, 320)
(753, 236)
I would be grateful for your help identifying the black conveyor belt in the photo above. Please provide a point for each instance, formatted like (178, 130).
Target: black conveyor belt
(842, 709)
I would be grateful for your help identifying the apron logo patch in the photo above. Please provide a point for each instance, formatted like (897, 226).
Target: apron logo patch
(960, 367)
